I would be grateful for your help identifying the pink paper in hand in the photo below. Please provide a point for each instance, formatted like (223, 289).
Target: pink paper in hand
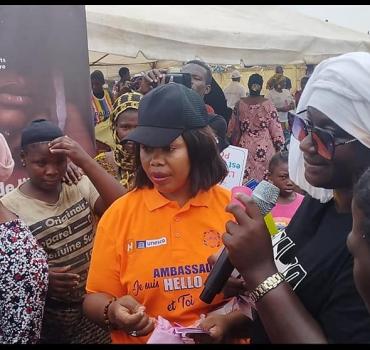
(240, 189)
(190, 330)
(164, 333)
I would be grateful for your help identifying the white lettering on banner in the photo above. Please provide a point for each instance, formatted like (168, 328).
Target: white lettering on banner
(2, 60)
(4, 189)
(180, 283)
(236, 161)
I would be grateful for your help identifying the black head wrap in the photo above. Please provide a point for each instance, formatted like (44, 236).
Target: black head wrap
(40, 130)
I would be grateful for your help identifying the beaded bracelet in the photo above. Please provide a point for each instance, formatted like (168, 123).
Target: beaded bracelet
(106, 318)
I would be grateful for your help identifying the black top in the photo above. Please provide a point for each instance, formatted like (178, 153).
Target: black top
(217, 100)
(219, 126)
(313, 256)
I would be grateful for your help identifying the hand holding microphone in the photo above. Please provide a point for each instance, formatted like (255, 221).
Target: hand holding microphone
(246, 241)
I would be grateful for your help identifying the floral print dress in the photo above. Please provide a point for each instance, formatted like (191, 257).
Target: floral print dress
(23, 284)
(261, 134)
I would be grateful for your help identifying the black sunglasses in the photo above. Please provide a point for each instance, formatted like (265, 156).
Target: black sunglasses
(324, 140)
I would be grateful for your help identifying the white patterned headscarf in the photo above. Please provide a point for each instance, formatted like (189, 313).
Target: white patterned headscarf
(340, 88)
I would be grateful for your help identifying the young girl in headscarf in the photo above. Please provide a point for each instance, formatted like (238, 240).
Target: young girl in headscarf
(121, 161)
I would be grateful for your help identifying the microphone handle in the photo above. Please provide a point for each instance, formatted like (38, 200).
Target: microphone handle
(217, 278)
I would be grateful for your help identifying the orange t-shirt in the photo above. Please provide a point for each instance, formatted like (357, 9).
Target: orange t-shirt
(150, 248)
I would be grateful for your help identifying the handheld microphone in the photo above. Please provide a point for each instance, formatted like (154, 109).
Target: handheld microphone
(265, 196)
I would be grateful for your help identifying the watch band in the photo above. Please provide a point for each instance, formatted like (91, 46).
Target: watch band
(268, 284)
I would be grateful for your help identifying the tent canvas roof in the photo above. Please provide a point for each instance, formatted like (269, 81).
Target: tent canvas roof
(143, 34)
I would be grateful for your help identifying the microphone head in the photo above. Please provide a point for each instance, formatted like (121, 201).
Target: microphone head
(265, 195)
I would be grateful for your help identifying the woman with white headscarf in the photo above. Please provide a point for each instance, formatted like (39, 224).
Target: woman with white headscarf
(23, 272)
(302, 285)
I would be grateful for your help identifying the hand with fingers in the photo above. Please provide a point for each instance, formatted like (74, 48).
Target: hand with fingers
(212, 324)
(69, 147)
(62, 282)
(127, 314)
(234, 286)
(73, 174)
(218, 326)
(249, 243)
(151, 79)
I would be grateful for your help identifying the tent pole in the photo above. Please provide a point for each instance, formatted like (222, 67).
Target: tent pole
(92, 64)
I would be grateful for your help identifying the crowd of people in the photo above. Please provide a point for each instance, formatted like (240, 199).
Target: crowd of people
(121, 253)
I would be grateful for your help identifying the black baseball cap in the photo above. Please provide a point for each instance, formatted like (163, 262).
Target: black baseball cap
(165, 113)
(40, 130)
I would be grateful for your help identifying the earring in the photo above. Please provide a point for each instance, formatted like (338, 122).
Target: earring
(23, 163)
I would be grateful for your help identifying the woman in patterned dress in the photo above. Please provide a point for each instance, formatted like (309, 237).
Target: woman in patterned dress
(260, 130)
(23, 272)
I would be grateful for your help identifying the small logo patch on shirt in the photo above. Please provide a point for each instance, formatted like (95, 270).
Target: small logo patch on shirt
(150, 243)
(212, 239)
(130, 246)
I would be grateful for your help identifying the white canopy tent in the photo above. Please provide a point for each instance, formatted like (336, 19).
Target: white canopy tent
(139, 35)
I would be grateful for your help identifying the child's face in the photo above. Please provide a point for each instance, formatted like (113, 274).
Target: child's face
(359, 247)
(280, 178)
(45, 169)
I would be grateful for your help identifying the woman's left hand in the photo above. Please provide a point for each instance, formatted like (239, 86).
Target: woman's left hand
(249, 242)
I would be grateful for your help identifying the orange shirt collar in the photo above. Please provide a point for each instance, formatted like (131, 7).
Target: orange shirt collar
(154, 200)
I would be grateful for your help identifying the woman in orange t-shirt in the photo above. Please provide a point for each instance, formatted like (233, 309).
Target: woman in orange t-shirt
(151, 248)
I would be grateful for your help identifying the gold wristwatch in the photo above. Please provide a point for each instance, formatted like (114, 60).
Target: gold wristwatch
(268, 284)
